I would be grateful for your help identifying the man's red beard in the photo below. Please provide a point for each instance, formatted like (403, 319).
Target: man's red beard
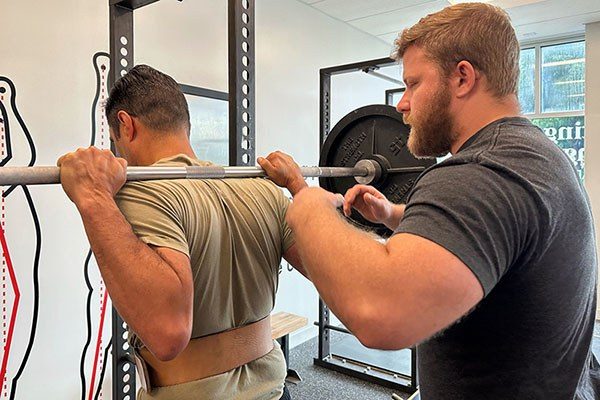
(431, 133)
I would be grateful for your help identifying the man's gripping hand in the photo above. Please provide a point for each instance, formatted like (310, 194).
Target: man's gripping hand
(283, 170)
(373, 205)
(89, 175)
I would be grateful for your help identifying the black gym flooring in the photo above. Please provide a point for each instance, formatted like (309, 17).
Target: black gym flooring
(322, 384)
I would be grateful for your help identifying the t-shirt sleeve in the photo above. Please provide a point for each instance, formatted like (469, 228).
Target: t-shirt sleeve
(287, 237)
(475, 213)
(154, 215)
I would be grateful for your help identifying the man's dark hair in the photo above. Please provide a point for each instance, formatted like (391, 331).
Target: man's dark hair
(152, 97)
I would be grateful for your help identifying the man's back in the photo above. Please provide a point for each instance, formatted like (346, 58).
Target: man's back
(234, 233)
(514, 198)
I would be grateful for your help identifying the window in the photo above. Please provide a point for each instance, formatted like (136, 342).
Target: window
(563, 72)
(209, 134)
(393, 96)
(552, 94)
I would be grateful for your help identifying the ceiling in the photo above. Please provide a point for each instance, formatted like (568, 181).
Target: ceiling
(533, 19)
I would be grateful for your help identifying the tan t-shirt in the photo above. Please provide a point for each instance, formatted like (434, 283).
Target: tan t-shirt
(233, 231)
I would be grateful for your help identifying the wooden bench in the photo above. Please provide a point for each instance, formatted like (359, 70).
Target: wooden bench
(282, 324)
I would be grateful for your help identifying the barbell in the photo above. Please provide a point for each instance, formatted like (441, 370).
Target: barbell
(367, 146)
(365, 172)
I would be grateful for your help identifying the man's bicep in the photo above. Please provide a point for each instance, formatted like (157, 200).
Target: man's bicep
(177, 260)
(438, 287)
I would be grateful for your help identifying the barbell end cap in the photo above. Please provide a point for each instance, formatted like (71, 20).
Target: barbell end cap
(373, 169)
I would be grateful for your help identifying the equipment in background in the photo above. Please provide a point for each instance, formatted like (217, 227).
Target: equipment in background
(375, 133)
(367, 146)
(394, 369)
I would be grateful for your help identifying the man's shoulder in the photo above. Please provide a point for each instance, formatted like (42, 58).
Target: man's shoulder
(467, 180)
(504, 137)
(452, 173)
(176, 190)
(510, 150)
(149, 187)
(261, 185)
(155, 191)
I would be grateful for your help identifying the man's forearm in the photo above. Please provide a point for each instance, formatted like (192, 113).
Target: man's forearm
(344, 263)
(144, 289)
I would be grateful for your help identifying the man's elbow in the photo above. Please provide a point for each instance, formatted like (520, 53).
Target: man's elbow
(169, 350)
(375, 340)
(376, 332)
(169, 342)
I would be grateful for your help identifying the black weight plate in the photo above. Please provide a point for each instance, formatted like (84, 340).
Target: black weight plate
(374, 132)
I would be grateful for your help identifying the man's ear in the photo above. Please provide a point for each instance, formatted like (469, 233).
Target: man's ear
(127, 125)
(466, 78)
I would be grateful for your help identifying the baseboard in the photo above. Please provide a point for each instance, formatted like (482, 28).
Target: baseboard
(303, 335)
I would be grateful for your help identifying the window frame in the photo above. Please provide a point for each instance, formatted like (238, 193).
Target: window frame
(537, 83)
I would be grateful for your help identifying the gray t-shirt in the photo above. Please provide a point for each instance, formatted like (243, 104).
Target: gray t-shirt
(510, 205)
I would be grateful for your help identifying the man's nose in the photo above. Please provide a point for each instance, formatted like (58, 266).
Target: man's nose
(403, 105)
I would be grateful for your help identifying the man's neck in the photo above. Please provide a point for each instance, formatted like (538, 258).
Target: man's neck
(473, 117)
(165, 147)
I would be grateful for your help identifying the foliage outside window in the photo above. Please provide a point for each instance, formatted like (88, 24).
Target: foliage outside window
(563, 77)
(552, 94)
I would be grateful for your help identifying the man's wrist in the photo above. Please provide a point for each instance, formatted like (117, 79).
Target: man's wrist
(297, 186)
(91, 203)
(396, 216)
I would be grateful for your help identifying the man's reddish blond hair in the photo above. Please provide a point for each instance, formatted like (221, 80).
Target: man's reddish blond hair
(475, 32)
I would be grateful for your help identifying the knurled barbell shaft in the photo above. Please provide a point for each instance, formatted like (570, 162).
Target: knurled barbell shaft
(42, 175)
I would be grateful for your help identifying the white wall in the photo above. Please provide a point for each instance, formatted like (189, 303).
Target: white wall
(47, 53)
(186, 40)
(293, 42)
(592, 122)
